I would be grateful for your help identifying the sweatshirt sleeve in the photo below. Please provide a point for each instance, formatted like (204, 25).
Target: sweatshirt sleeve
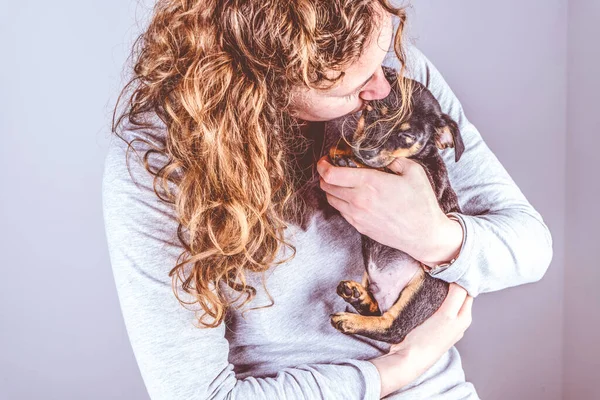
(505, 240)
(178, 360)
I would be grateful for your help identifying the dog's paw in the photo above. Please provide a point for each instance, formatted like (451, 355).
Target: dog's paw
(345, 322)
(343, 160)
(350, 290)
(359, 297)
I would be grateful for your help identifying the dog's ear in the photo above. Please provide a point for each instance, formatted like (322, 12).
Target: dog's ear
(447, 135)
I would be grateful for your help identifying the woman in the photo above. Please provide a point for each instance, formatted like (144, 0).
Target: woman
(228, 100)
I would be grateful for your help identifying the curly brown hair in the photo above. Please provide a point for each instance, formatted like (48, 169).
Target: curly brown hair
(219, 74)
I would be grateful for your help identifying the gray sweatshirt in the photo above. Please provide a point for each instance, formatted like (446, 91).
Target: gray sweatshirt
(290, 350)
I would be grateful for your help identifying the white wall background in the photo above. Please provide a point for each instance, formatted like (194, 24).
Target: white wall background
(582, 267)
(61, 332)
(507, 63)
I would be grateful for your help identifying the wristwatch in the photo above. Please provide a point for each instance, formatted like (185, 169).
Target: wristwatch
(438, 269)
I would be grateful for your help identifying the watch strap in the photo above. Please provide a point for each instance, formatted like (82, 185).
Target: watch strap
(439, 268)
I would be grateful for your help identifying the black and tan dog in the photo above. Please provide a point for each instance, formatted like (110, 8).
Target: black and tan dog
(389, 306)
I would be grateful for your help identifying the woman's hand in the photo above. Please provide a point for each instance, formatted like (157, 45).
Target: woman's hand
(398, 210)
(425, 344)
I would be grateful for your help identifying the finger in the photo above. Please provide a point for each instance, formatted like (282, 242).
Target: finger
(340, 176)
(454, 300)
(400, 165)
(337, 203)
(467, 307)
(348, 218)
(394, 347)
(340, 192)
(324, 157)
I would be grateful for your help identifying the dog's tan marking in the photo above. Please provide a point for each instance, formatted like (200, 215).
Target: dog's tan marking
(355, 323)
(414, 149)
(384, 110)
(443, 138)
(360, 128)
(366, 300)
(365, 279)
(405, 126)
(342, 150)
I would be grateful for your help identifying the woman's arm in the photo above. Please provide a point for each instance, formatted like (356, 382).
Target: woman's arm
(506, 242)
(176, 359)
(425, 344)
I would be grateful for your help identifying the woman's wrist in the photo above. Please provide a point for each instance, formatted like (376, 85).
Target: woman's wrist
(447, 246)
(396, 370)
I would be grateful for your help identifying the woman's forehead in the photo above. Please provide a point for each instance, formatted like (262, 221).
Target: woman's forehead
(375, 50)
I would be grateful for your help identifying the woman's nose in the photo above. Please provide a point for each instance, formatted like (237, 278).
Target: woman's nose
(378, 88)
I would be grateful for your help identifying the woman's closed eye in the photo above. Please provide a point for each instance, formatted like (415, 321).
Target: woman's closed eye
(351, 96)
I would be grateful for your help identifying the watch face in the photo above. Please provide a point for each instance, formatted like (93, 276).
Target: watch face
(437, 269)
(440, 268)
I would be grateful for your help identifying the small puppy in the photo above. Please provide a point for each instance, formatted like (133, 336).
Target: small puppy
(383, 314)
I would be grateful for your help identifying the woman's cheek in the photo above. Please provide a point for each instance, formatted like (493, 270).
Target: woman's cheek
(346, 106)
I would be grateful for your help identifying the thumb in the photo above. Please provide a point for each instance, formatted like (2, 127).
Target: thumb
(400, 165)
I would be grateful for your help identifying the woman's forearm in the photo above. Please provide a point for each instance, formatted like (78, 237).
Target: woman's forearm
(425, 344)
(395, 371)
(506, 241)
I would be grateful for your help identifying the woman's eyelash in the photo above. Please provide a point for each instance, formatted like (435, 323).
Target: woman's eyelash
(351, 95)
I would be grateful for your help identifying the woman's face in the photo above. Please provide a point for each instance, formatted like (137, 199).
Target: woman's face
(362, 82)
